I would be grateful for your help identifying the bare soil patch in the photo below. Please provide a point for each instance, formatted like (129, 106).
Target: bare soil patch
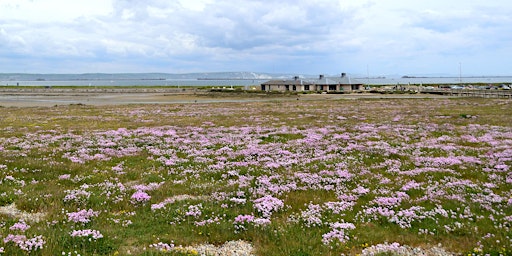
(50, 97)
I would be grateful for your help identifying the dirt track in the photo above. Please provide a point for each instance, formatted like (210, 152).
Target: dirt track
(98, 97)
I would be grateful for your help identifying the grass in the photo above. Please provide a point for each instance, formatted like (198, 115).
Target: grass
(203, 165)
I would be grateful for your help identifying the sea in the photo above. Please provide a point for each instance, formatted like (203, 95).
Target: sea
(211, 79)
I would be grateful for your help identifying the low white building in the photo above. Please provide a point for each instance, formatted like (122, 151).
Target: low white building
(342, 83)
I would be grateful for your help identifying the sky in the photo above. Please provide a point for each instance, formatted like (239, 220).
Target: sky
(375, 37)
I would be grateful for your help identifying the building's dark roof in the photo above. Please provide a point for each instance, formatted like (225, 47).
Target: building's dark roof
(286, 82)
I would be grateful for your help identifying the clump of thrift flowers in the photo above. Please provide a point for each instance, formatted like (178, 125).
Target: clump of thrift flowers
(241, 222)
(338, 232)
(82, 216)
(65, 177)
(20, 225)
(267, 205)
(94, 234)
(261, 222)
(28, 245)
(162, 247)
(194, 210)
(140, 197)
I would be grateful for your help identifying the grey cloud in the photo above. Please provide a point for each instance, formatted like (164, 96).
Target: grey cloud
(239, 26)
(317, 34)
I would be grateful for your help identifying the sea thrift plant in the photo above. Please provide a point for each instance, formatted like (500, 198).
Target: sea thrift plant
(194, 210)
(162, 247)
(312, 215)
(82, 216)
(20, 225)
(94, 234)
(241, 222)
(267, 205)
(65, 177)
(338, 233)
(29, 245)
(77, 195)
(309, 177)
(140, 197)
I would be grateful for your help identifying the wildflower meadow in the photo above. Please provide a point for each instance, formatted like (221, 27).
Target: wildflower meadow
(316, 177)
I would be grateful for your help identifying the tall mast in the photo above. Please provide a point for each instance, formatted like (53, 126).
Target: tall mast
(367, 74)
(460, 73)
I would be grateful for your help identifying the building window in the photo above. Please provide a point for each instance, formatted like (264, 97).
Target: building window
(263, 87)
(332, 87)
(287, 87)
(306, 87)
(294, 87)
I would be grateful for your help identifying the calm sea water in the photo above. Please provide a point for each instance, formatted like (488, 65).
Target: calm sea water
(137, 82)
(439, 80)
(115, 81)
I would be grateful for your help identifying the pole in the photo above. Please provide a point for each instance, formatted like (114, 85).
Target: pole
(460, 73)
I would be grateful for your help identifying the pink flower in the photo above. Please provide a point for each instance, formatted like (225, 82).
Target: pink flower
(267, 205)
(338, 232)
(82, 216)
(241, 222)
(194, 210)
(163, 247)
(94, 234)
(21, 225)
(32, 244)
(244, 219)
(140, 197)
(65, 177)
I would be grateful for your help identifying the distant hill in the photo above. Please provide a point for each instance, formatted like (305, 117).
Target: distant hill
(139, 76)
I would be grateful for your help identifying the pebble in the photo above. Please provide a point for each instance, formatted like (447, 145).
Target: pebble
(12, 211)
(230, 248)
(396, 249)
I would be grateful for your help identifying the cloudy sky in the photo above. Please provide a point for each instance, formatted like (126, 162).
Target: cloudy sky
(278, 36)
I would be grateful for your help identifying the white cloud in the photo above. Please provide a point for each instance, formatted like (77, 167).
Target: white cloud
(392, 36)
(52, 10)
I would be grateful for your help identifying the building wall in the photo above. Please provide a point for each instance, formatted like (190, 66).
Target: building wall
(312, 88)
(279, 88)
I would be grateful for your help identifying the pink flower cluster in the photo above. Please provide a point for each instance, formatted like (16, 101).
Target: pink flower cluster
(242, 219)
(338, 232)
(162, 205)
(29, 245)
(267, 205)
(77, 195)
(194, 210)
(163, 247)
(140, 197)
(65, 177)
(20, 225)
(82, 216)
(94, 234)
(241, 222)
(148, 187)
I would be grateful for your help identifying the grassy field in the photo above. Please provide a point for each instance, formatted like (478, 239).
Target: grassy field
(286, 178)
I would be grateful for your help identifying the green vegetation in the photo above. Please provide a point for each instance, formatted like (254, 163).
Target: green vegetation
(288, 177)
